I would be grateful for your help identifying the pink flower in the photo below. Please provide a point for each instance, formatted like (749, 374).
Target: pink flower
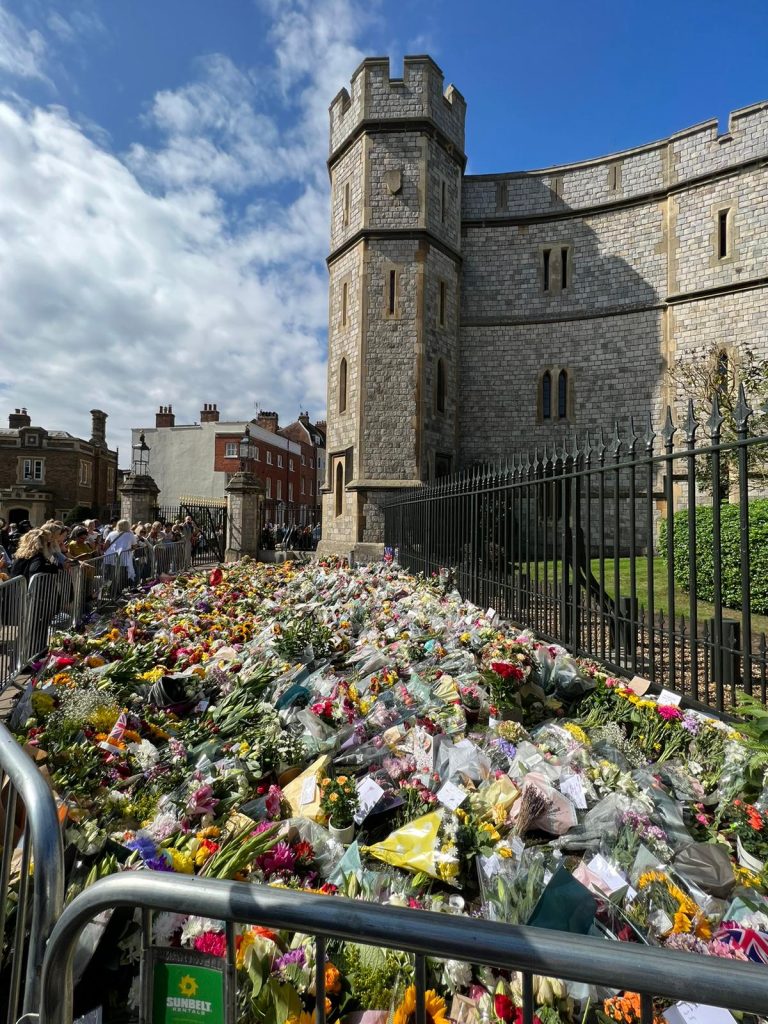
(279, 859)
(669, 711)
(273, 801)
(213, 943)
(202, 802)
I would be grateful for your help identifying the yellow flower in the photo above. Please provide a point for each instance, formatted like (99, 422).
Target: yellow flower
(436, 1011)
(182, 862)
(682, 923)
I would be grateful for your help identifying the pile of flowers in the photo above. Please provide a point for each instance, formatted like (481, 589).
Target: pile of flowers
(213, 725)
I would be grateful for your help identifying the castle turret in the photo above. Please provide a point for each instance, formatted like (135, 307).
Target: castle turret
(396, 164)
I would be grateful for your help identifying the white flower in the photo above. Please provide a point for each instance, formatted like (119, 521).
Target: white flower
(134, 994)
(457, 974)
(196, 926)
(145, 754)
(166, 925)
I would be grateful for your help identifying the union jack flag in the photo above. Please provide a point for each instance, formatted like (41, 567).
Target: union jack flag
(754, 944)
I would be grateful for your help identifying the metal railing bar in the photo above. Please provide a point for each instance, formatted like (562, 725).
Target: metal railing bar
(19, 937)
(678, 976)
(47, 853)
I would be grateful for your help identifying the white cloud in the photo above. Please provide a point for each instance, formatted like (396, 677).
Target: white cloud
(22, 50)
(126, 283)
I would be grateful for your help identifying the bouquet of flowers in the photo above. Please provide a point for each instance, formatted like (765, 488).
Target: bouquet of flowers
(339, 800)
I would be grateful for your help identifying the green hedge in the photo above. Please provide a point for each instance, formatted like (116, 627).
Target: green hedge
(730, 553)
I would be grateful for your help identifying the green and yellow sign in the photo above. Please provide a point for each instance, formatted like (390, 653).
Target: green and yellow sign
(187, 994)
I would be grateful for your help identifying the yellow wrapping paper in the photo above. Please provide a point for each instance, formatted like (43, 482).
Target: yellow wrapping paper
(411, 847)
(501, 791)
(294, 791)
(447, 689)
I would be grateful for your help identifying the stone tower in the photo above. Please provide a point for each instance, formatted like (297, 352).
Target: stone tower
(396, 164)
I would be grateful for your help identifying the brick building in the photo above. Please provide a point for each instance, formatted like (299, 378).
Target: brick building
(47, 473)
(197, 460)
(475, 316)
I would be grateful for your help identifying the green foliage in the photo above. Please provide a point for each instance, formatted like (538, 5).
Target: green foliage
(730, 553)
(78, 514)
(374, 974)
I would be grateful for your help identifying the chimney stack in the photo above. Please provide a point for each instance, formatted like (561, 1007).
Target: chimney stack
(209, 414)
(268, 420)
(19, 418)
(98, 428)
(304, 418)
(165, 417)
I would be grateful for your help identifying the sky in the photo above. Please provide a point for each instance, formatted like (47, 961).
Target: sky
(164, 206)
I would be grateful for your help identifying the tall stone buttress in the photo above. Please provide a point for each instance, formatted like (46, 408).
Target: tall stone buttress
(396, 164)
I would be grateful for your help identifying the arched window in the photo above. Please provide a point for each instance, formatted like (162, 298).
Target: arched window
(440, 386)
(339, 488)
(562, 395)
(343, 385)
(546, 396)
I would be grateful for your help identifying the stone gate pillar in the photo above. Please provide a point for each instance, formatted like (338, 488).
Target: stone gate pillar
(245, 495)
(138, 499)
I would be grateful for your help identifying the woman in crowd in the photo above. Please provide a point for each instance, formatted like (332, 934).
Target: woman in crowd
(36, 556)
(118, 556)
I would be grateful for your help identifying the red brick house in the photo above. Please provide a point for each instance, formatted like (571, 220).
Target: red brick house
(47, 473)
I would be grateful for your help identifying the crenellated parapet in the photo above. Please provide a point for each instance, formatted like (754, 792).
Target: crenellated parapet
(419, 96)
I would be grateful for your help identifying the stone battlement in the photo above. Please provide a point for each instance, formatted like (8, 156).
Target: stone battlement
(688, 154)
(418, 95)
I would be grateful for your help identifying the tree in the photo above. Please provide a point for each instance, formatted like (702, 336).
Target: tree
(718, 372)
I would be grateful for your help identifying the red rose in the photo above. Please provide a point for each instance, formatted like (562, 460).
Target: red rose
(216, 577)
(503, 1007)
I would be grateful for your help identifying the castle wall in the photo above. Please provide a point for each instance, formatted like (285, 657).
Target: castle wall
(695, 262)
(614, 365)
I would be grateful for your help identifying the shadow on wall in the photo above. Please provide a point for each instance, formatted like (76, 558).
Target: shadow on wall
(550, 294)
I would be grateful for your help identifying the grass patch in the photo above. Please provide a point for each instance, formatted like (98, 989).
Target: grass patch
(660, 596)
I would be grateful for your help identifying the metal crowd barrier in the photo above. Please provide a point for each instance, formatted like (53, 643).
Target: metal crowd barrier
(31, 877)
(13, 614)
(533, 951)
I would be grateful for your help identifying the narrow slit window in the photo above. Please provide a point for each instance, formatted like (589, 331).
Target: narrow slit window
(562, 395)
(343, 385)
(546, 396)
(339, 489)
(546, 259)
(564, 268)
(722, 373)
(392, 292)
(441, 305)
(346, 204)
(344, 300)
(440, 392)
(722, 234)
(442, 201)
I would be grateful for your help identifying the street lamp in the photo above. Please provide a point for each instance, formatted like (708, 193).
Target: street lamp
(140, 457)
(246, 450)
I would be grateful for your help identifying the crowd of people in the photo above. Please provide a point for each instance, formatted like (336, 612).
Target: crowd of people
(54, 547)
(290, 538)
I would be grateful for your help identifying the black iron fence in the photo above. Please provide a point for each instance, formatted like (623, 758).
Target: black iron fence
(635, 551)
(289, 514)
(208, 539)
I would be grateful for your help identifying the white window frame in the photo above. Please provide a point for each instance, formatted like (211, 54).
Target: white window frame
(269, 458)
(279, 490)
(230, 450)
(290, 492)
(33, 469)
(302, 486)
(84, 473)
(290, 465)
(269, 487)
(279, 461)
(256, 455)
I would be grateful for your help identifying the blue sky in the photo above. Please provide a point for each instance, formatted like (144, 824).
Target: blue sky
(163, 195)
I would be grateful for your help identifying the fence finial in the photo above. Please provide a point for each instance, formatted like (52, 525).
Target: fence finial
(616, 440)
(669, 429)
(650, 435)
(633, 436)
(690, 424)
(742, 411)
(715, 420)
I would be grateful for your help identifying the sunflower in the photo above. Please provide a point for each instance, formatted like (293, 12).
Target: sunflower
(434, 1005)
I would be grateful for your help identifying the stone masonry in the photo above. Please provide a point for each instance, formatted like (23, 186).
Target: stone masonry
(447, 298)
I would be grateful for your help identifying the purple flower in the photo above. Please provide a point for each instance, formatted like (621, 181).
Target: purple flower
(691, 724)
(292, 957)
(158, 864)
(507, 748)
(145, 846)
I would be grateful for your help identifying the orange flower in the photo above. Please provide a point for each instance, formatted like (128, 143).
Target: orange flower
(332, 979)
